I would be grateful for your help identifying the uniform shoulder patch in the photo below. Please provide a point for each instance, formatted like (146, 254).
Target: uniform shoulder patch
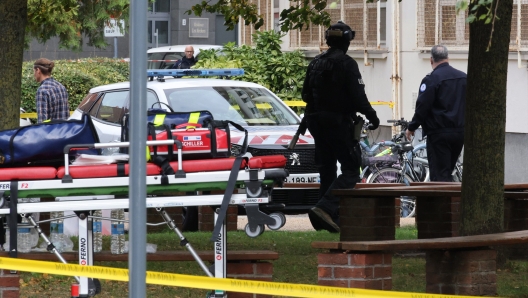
(360, 81)
(422, 87)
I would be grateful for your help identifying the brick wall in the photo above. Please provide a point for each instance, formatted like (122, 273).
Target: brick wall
(206, 218)
(364, 219)
(154, 217)
(262, 271)
(438, 217)
(516, 219)
(9, 284)
(355, 270)
(471, 272)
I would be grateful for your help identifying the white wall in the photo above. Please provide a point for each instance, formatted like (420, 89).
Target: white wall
(415, 64)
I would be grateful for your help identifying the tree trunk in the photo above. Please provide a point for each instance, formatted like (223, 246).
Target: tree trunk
(13, 18)
(482, 206)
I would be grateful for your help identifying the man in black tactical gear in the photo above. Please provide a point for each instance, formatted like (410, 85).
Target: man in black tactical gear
(440, 109)
(334, 92)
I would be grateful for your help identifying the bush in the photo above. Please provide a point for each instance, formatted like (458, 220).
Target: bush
(265, 64)
(78, 76)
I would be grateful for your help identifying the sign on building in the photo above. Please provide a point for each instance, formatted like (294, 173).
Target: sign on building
(113, 30)
(198, 27)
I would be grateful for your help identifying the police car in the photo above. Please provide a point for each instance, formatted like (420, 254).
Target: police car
(270, 123)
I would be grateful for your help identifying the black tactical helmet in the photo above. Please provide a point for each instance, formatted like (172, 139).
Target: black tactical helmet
(340, 31)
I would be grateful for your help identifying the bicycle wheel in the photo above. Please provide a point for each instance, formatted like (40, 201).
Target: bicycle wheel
(393, 175)
(421, 167)
(457, 173)
(389, 175)
(420, 151)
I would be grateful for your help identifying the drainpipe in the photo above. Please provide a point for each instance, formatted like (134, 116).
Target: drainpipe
(518, 38)
(437, 21)
(365, 32)
(398, 64)
(395, 77)
(378, 25)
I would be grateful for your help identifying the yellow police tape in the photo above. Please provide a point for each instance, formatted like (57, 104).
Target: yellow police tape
(202, 282)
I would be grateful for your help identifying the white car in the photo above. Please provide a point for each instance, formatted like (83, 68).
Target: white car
(165, 57)
(270, 123)
(24, 121)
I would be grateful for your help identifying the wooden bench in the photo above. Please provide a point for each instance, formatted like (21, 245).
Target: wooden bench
(242, 264)
(438, 209)
(366, 214)
(454, 265)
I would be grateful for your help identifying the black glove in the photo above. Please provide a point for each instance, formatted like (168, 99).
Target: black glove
(374, 123)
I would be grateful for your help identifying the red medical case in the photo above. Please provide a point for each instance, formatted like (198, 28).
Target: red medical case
(198, 142)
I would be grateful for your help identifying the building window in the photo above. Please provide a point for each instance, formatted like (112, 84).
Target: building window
(267, 9)
(158, 23)
(361, 16)
(159, 6)
(438, 23)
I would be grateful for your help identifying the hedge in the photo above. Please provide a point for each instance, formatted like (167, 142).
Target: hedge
(78, 76)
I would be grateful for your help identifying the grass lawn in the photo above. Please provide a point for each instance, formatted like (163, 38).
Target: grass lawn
(297, 264)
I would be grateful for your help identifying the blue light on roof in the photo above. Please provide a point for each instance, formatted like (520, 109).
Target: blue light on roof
(195, 72)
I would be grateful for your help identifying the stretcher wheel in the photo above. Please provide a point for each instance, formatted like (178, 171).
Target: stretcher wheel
(280, 221)
(255, 233)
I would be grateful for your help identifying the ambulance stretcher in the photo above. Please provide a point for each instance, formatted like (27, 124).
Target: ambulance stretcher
(256, 175)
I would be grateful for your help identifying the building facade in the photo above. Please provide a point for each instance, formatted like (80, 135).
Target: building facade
(167, 24)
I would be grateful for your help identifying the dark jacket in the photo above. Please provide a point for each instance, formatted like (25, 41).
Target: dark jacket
(184, 63)
(440, 106)
(333, 84)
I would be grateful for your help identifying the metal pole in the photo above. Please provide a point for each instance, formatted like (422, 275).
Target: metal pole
(137, 259)
(115, 47)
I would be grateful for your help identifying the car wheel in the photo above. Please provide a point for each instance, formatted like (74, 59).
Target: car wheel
(190, 219)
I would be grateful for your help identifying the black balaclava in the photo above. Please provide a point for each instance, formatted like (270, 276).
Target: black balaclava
(342, 42)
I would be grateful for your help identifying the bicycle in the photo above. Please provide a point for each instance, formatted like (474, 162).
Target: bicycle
(369, 152)
(417, 156)
(421, 153)
(403, 171)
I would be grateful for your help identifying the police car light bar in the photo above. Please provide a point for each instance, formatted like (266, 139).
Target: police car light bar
(195, 72)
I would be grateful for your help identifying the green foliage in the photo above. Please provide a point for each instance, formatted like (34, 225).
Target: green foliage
(71, 20)
(78, 76)
(481, 10)
(265, 64)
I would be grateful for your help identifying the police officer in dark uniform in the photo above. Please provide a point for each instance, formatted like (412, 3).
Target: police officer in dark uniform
(187, 61)
(440, 109)
(334, 91)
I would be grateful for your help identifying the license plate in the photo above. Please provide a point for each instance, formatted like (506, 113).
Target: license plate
(302, 179)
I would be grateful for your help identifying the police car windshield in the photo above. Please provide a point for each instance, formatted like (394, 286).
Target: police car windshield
(246, 106)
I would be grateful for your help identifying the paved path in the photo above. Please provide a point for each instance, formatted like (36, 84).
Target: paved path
(302, 223)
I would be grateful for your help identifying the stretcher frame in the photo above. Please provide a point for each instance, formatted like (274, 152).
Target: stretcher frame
(257, 183)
